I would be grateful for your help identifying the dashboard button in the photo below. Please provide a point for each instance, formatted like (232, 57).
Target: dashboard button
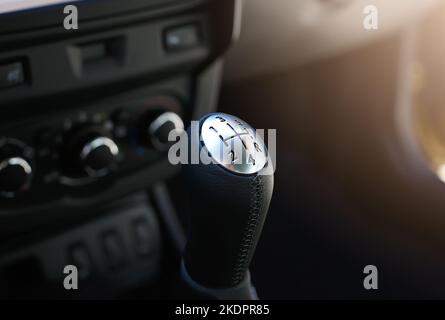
(182, 37)
(143, 237)
(11, 74)
(114, 249)
(80, 257)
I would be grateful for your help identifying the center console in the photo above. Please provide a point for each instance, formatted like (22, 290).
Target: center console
(84, 116)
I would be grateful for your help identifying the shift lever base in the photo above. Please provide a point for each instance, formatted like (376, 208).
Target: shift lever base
(227, 217)
(243, 291)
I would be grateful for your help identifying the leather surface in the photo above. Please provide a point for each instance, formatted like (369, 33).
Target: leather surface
(228, 213)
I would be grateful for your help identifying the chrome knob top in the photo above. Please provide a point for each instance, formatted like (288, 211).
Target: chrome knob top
(234, 144)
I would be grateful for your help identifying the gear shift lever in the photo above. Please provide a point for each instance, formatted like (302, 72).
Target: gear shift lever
(230, 199)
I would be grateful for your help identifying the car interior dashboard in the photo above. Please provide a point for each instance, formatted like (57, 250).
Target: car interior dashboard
(350, 174)
(106, 83)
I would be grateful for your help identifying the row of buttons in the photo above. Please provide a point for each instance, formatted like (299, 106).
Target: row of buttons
(114, 249)
(176, 39)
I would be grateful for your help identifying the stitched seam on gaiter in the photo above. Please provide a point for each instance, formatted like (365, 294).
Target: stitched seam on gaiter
(256, 194)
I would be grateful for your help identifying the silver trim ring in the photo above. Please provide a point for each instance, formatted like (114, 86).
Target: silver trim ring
(17, 161)
(91, 146)
(158, 123)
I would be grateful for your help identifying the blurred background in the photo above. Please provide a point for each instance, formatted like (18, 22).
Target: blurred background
(360, 124)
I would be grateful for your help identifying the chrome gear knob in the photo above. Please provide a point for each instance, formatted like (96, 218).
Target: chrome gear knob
(231, 188)
(233, 144)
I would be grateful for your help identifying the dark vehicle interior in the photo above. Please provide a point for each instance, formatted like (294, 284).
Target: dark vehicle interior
(85, 176)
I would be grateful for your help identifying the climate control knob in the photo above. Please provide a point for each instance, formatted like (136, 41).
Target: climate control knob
(90, 151)
(156, 127)
(15, 167)
(15, 176)
(98, 156)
